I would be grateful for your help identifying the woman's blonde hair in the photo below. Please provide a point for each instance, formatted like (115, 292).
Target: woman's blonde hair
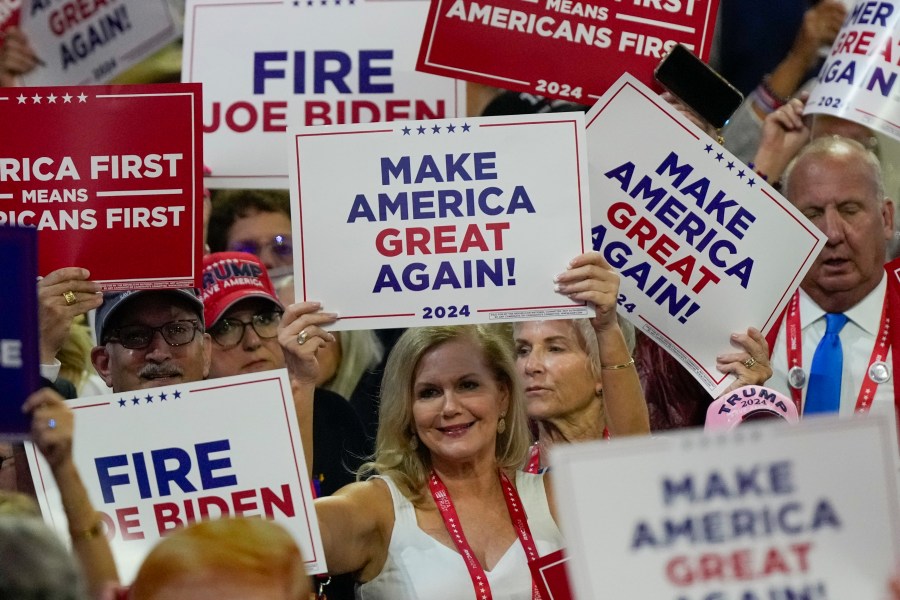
(395, 455)
(75, 354)
(361, 350)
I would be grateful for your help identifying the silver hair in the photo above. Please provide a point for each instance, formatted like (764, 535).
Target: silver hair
(34, 564)
(835, 146)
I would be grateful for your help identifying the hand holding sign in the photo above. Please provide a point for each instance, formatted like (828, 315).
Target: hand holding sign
(591, 279)
(52, 426)
(63, 295)
(692, 116)
(751, 365)
(301, 335)
(17, 57)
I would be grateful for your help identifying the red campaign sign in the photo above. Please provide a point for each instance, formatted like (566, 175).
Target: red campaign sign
(9, 15)
(566, 49)
(111, 176)
(550, 574)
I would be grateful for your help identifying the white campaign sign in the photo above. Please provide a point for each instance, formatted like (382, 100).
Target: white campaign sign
(704, 246)
(269, 65)
(439, 222)
(91, 42)
(157, 459)
(761, 512)
(860, 79)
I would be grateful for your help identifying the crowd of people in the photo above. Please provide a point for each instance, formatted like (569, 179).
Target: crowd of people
(428, 448)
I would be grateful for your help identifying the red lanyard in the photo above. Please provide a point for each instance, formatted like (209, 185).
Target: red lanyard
(795, 356)
(534, 459)
(451, 522)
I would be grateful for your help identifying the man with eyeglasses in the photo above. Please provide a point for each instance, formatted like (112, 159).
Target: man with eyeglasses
(151, 338)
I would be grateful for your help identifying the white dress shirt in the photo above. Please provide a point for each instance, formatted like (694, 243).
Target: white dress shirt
(857, 342)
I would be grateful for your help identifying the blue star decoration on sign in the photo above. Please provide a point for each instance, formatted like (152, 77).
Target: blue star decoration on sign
(732, 166)
(148, 399)
(435, 129)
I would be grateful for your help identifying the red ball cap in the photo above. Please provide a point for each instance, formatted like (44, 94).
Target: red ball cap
(229, 277)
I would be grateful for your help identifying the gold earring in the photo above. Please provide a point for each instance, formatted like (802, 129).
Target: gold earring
(501, 425)
(414, 442)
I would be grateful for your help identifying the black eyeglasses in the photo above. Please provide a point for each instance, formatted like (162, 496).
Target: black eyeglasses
(138, 337)
(229, 332)
(280, 246)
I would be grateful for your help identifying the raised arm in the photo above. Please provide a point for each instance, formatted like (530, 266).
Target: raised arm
(52, 428)
(300, 334)
(784, 133)
(356, 524)
(820, 25)
(356, 521)
(590, 278)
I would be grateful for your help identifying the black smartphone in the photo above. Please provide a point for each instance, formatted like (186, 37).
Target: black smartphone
(696, 84)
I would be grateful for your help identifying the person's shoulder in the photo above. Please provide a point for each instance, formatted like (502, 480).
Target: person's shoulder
(372, 490)
(371, 498)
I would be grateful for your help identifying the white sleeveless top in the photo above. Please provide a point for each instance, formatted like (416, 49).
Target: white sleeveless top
(419, 567)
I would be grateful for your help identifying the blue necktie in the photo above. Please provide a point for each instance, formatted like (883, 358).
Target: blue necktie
(823, 395)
